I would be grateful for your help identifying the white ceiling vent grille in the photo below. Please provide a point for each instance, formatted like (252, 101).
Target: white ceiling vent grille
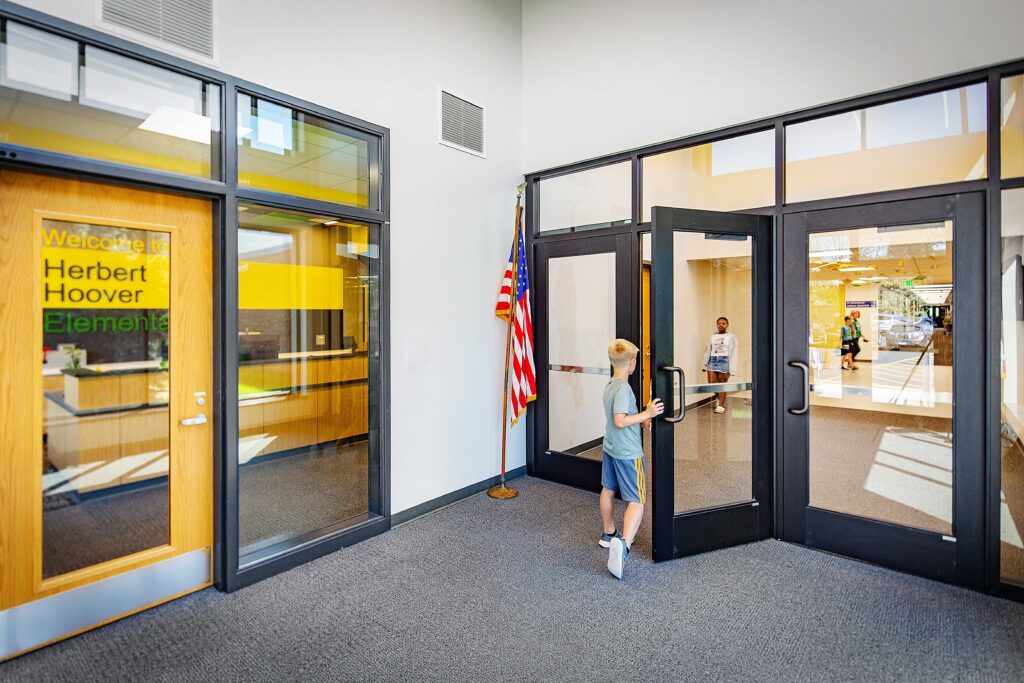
(462, 124)
(187, 24)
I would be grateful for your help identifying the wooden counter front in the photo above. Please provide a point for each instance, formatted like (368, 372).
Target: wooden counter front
(102, 390)
(299, 403)
(110, 429)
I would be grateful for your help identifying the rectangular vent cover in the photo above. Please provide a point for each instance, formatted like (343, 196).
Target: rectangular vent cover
(462, 124)
(186, 24)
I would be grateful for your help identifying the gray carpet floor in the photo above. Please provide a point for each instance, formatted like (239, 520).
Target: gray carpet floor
(518, 590)
(80, 534)
(284, 497)
(280, 498)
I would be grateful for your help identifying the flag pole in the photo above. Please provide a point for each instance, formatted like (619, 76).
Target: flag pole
(501, 490)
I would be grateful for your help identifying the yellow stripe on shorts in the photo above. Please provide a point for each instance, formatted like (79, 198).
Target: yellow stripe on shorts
(641, 483)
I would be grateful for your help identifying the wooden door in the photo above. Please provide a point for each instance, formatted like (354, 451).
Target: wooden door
(125, 276)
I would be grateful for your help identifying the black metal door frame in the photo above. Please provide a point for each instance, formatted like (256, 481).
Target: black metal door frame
(956, 558)
(545, 463)
(677, 535)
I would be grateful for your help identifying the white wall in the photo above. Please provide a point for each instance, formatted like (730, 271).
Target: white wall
(451, 213)
(602, 76)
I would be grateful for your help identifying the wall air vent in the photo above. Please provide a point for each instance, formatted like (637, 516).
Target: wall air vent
(184, 24)
(462, 124)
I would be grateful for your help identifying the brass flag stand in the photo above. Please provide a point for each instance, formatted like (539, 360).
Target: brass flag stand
(503, 491)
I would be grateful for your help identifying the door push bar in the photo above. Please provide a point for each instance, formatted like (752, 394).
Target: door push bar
(807, 387)
(682, 391)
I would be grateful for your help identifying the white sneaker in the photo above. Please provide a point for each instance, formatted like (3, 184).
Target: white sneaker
(617, 554)
(719, 409)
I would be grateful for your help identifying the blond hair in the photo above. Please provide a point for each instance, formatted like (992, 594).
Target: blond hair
(620, 352)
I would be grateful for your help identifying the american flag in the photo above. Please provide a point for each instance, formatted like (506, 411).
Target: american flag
(523, 375)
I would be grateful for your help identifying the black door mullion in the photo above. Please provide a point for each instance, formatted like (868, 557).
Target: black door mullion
(763, 437)
(969, 387)
(793, 437)
(662, 355)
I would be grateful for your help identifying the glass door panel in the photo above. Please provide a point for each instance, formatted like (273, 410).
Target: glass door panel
(1011, 427)
(307, 331)
(581, 313)
(711, 350)
(880, 334)
(712, 345)
(585, 300)
(106, 375)
(878, 463)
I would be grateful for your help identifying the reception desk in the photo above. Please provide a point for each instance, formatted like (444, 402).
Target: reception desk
(301, 401)
(108, 425)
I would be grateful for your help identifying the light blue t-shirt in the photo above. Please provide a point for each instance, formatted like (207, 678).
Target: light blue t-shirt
(621, 444)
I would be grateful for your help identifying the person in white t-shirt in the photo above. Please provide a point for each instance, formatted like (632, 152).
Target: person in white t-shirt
(721, 358)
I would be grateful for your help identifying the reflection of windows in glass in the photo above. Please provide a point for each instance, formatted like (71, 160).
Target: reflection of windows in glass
(931, 139)
(744, 153)
(258, 243)
(273, 128)
(112, 108)
(726, 175)
(1011, 119)
(291, 152)
(831, 135)
(939, 115)
(594, 198)
(38, 62)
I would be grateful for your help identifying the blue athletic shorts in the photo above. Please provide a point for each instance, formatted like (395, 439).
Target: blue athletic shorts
(625, 476)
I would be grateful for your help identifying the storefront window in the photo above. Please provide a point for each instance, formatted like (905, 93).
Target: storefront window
(726, 175)
(110, 108)
(307, 290)
(1011, 120)
(291, 152)
(927, 140)
(595, 198)
(1011, 497)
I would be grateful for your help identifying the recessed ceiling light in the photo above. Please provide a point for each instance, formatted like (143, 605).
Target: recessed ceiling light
(179, 123)
(854, 269)
(832, 254)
